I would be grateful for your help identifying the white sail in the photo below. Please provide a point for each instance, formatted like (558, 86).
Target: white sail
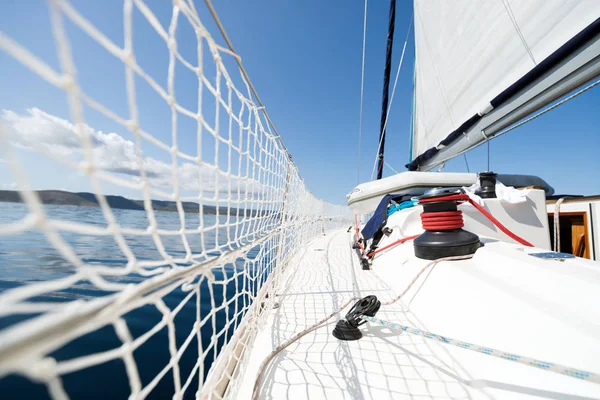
(469, 53)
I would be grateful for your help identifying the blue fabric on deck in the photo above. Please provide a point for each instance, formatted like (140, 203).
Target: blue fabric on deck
(402, 206)
(379, 218)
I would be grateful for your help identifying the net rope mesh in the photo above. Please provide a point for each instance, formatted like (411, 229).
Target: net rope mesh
(227, 266)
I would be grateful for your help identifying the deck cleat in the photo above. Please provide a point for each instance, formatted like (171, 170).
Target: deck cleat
(347, 329)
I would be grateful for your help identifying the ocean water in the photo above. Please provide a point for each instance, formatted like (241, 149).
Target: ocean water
(28, 258)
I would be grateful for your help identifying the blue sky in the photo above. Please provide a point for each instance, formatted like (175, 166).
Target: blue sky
(304, 58)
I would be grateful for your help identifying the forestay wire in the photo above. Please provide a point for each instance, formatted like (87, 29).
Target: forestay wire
(222, 271)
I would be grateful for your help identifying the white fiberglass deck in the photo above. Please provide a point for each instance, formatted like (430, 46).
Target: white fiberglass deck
(387, 364)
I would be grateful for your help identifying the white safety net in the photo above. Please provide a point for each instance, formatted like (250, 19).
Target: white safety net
(166, 305)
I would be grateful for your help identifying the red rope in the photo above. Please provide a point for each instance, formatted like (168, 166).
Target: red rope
(397, 242)
(442, 221)
(447, 220)
(464, 197)
(362, 249)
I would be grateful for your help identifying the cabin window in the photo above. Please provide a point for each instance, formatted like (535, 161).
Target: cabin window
(574, 236)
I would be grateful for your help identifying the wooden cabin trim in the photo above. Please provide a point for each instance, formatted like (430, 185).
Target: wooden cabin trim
(586, 228)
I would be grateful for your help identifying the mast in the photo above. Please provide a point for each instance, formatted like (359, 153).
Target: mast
(386, 86)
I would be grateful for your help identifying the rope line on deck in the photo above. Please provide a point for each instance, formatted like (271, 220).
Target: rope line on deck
(512, 357)
(450, 220)
(357, 234)
(465, 197)
(393, 244)
(319, 324)
(532, 362)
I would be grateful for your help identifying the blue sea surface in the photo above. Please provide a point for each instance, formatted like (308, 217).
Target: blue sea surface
(29, 258)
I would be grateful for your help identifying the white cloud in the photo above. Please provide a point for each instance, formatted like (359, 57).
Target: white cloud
(9, 186)
(111, 152)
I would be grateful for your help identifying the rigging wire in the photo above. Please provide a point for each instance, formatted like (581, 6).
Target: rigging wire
(392, 97)
(362, 86)
(467, 162)
(488, 156)
(390, 167)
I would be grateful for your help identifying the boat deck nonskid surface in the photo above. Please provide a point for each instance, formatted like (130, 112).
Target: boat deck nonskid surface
(384, 364)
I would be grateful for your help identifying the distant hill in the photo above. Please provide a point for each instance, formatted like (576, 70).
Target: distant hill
(84, 199)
